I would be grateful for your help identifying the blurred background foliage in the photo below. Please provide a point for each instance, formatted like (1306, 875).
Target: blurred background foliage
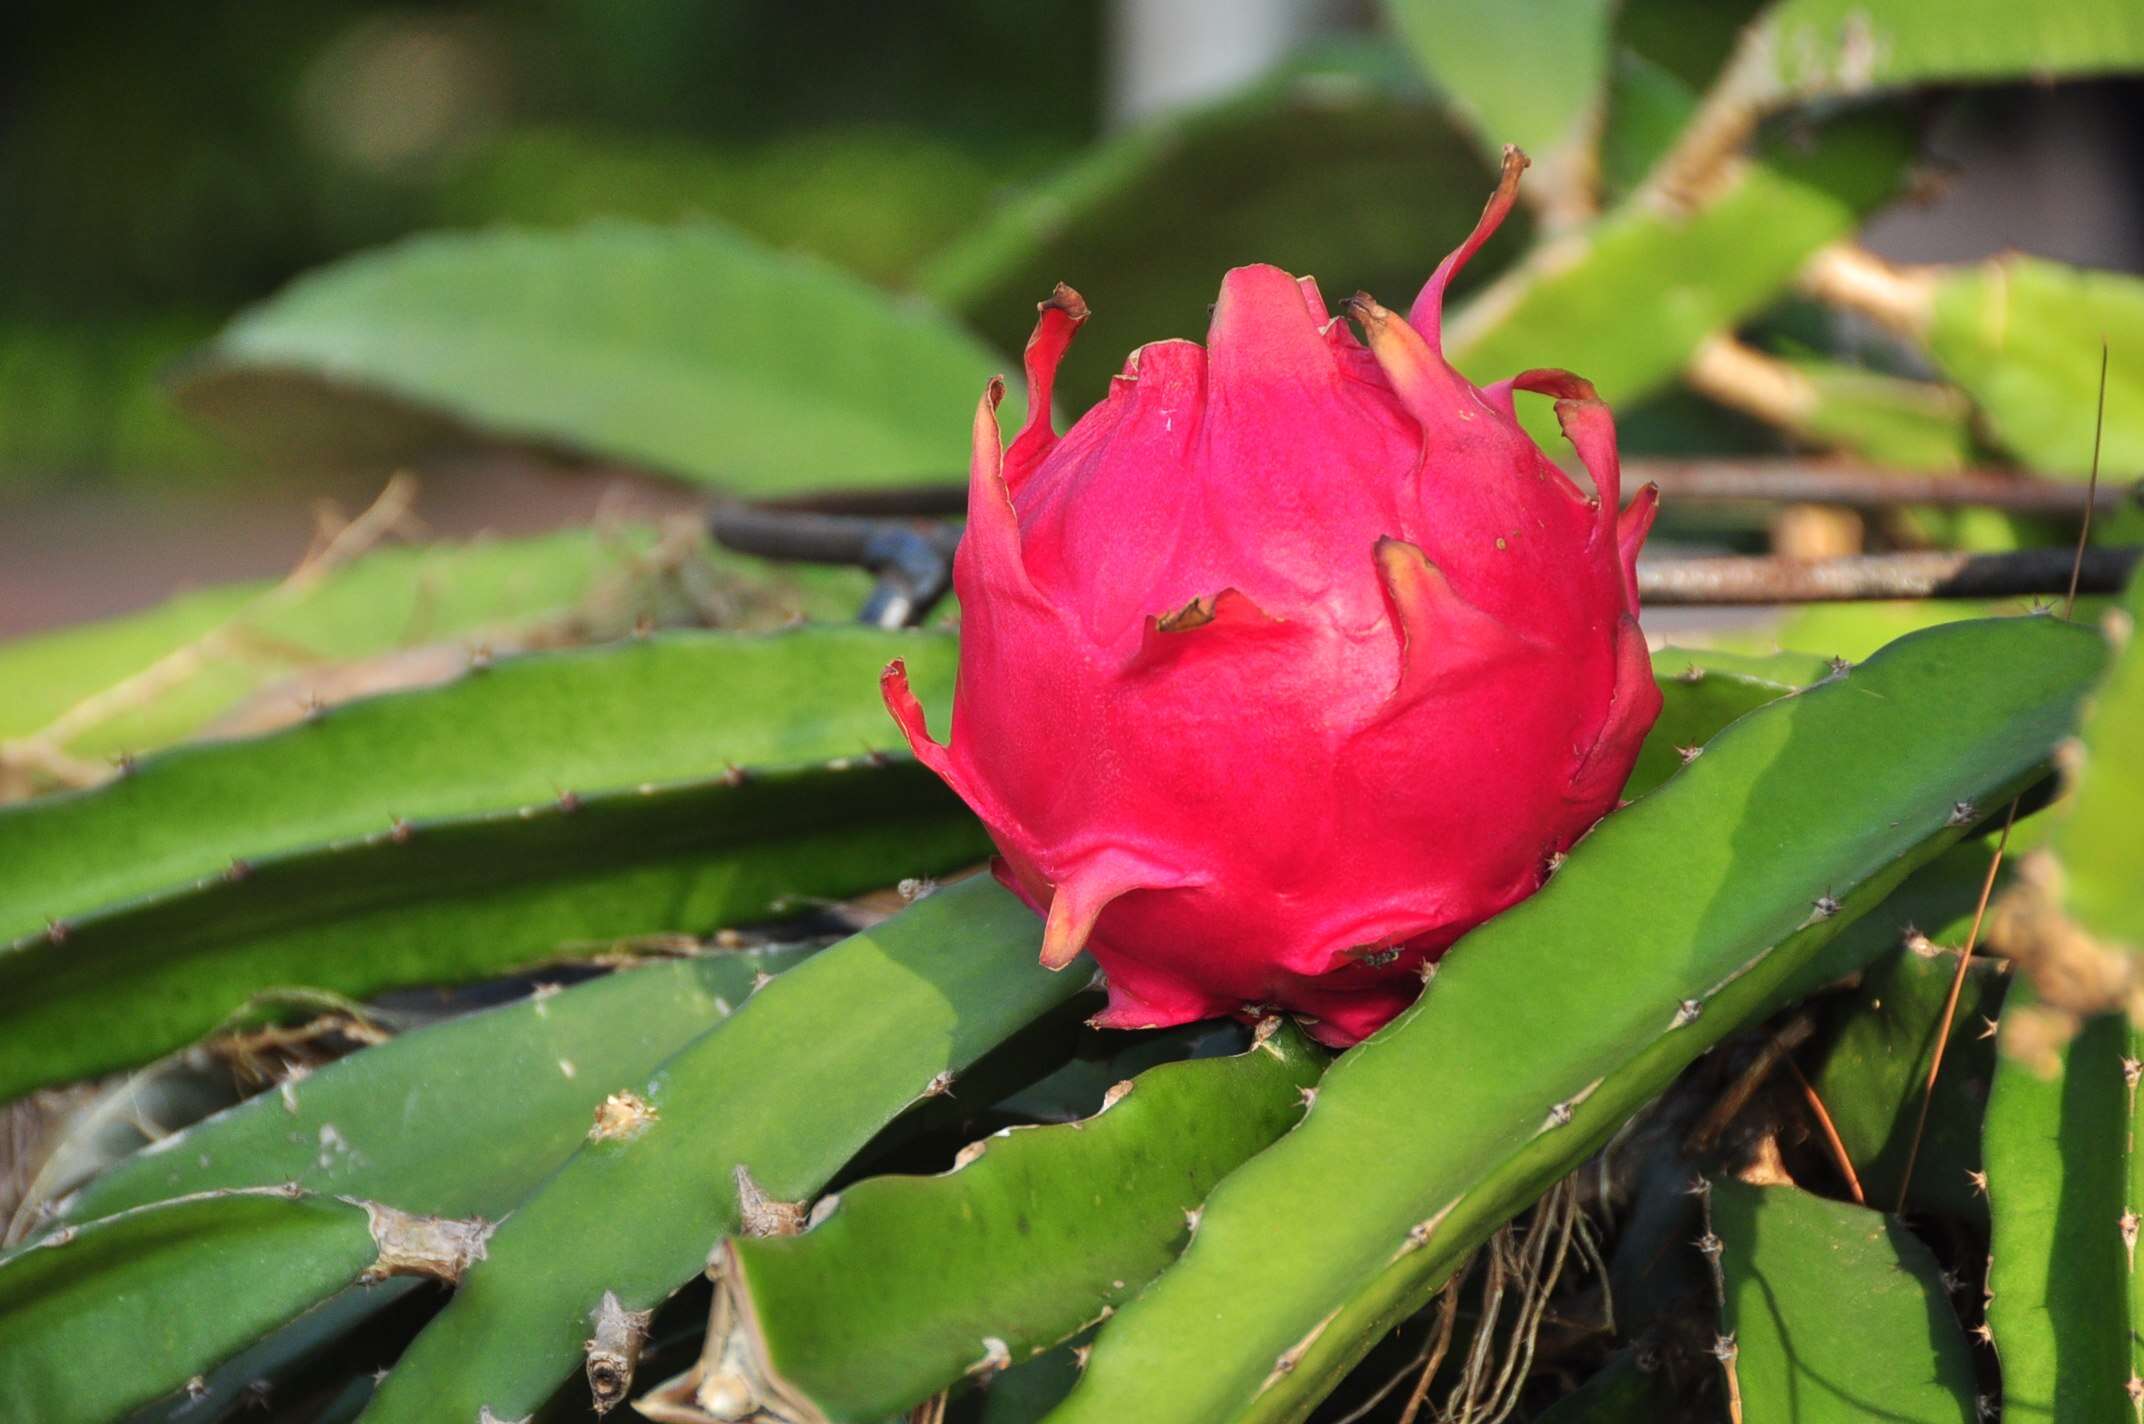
(148, 199)
(786, 240)
(162, 165)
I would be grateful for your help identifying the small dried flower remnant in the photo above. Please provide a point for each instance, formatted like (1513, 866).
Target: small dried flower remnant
(1292, 660)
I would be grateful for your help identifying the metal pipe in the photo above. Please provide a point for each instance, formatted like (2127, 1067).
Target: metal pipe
(1870, 487)
(1783, 480)
(1745, 580)
(912, 549)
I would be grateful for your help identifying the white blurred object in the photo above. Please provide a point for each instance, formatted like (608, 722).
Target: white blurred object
(1164, 54)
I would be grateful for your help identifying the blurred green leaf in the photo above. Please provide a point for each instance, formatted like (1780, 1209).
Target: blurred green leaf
(875, 200)
(1916, 425)
(2022, 337)
(82, 397)
(1345, 171)
(1626, 301)
(691, 351)
(1532, 75)
(1647, 107)
(1687, 42)
(1836, 1312)
(2096, 834)
(1804, 49)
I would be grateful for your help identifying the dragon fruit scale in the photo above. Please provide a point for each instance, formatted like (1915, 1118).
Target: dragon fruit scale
(1293, 659)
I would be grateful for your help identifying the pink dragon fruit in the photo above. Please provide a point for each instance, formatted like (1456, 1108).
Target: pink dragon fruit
(1293, 659)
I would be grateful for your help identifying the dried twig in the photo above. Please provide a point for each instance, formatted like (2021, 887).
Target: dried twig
(2084, 529)
(1441, 1344)
(1850, 277)
(1950, 1007)
(1839, 1156)
(1431, 1354)
(1740, 376)
(45, 749)
(1791, 1035)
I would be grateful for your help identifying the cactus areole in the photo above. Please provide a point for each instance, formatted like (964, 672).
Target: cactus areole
(1293, 659)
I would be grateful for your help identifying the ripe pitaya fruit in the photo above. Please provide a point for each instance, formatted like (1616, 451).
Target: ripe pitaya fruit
(1292, 660)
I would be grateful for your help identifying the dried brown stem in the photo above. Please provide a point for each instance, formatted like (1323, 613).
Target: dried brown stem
(2084, 529)
(1857, 280)
(1950, 1007)
(1839, 1156)
(1441, 1344)
(1790, 1036)
(1740, 376)
(44, 749)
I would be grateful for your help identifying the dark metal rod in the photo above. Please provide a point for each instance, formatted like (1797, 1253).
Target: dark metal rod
(1869, 487)
(853, 539)
(1668, 582)
(942, 497)
(1753, 481)
(816, 538)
